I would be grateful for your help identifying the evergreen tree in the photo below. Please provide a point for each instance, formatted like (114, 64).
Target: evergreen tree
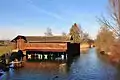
(75, 33)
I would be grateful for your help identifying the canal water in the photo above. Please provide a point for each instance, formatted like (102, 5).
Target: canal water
(87, 66)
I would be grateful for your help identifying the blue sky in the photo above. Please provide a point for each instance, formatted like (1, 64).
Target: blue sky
(32, 17)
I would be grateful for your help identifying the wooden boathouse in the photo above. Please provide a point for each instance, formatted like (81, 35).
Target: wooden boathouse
(46, 47)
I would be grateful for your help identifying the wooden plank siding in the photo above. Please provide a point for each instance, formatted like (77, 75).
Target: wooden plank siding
(41, 43)
(46, 46)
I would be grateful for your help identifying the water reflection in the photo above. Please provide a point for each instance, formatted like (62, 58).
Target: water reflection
(89, 66)
(38, 71)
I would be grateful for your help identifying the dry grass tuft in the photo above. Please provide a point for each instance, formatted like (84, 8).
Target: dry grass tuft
(115, 52)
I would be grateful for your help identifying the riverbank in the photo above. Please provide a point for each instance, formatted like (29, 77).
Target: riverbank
(112, 56)
(84, 47)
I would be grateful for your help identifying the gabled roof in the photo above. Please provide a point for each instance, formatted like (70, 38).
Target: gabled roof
(18, 37)
(44, 38)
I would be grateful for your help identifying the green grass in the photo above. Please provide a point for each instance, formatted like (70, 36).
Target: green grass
(5, 49)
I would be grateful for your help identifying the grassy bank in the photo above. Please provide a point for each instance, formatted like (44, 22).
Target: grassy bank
(84, 46)
(113, 54)
(5, 49)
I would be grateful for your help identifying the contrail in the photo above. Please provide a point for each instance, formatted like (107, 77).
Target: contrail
(47, 12)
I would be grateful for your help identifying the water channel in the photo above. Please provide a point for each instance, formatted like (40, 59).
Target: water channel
(88, 66)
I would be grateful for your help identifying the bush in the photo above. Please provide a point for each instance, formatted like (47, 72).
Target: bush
(104, 39)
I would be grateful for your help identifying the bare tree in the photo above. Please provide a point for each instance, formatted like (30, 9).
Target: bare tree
(114, 12)
(85, 36)
(113, 23)
(48, 32)
(64, 34)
